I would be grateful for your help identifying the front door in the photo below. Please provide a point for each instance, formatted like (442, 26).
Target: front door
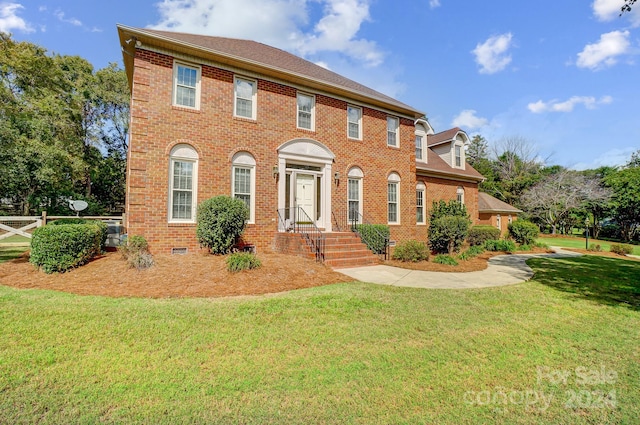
(306, 194)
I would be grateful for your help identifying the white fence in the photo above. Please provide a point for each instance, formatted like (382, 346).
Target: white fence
(23, 225)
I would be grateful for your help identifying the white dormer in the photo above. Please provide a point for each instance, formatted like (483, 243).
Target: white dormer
(449, 145)
(422, 130)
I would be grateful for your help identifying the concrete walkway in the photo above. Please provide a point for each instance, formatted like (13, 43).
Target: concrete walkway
(502, 270)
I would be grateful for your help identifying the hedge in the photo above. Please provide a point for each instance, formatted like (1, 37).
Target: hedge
(375, 236)
(221, 221)
(446, 234)
(64, 246)
(411, 251)
(478, 235)
(500, 245)
(524, 232)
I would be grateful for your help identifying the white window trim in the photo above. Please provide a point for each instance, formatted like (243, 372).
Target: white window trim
(394, 179)
(420, 187)
(397, 131)
(499, 222)
(313, 111)
(194, 181)
(359, 123)
(453, 155)
(174, 95)
(460, 194)
(245, 160)
(254, 98)
(356, 173)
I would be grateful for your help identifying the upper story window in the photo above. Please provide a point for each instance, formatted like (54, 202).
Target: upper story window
(183, 178)
(245, 98)
(392, 131)
(354, 122)
(306, 111)
(186, 85)
(458, 156)
(421, 136)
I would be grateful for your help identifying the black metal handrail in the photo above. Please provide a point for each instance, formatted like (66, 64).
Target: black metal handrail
(296, 220)
(353, 221)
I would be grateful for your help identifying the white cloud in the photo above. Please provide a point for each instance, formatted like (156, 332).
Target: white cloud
(281, 23)
(434, 3)
(61, 17)
(604, 53)
(611, 158)
(608, 10)
(568, 105)
(9, 19)
(492, 55)
(468, 119)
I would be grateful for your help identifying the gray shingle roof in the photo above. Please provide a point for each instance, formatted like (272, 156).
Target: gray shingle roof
(487, 203)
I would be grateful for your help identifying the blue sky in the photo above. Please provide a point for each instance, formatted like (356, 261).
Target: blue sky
(562, 75)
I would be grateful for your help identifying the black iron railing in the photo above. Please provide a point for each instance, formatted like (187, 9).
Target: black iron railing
(376, 239)
(296, 220)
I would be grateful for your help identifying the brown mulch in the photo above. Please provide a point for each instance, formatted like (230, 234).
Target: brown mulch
(173, 276)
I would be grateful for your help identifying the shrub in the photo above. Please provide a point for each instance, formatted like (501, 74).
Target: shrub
(242, 261)
(594, 247)
(523, 232)
(77, 220)
(411, 250)
(479, 234)
(375, 236)
(221, 220)
(621, 249)
(136, 252)
(446, 234)
(541, 245)
(64, 246)
(451, 208)
(524, 247)
(70, 220)
(445, 259)
(476, 250)
(500, 245)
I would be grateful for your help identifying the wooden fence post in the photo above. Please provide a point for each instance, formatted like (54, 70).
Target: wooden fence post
(44, 218)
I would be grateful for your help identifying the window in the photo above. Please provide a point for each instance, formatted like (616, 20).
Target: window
(499, 222)
(354, 194)
(243, 182)
(245, 98)
(460, 195)
(186, 85)
(458, 154)
(183, 163)
(306, 109)
(510, 219)
(354, 121)
(419, 151)
(393, 195)
(392, 131)
(420, 189)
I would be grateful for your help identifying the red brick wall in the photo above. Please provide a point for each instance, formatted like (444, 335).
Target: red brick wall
(216, 135)
(492, 220)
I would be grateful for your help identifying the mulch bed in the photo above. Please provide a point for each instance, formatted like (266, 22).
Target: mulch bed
(173, 276)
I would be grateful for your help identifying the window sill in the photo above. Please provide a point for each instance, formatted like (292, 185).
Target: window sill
(393, 147)
(245, 119)
(182, 223)
(185, 109)
(306, 130)
(354, 140)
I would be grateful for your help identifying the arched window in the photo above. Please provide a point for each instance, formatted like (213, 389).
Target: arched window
(183, 182)
(243, 181)
(460, 195)
(393, 198)
(420, 199)
(354, 194)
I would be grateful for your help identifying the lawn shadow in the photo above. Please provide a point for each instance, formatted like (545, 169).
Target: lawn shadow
(605, 280)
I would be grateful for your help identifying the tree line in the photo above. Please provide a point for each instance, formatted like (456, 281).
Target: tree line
(63, 131)
(606, 200)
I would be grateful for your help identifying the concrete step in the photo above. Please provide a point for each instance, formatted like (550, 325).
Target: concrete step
(351, 262)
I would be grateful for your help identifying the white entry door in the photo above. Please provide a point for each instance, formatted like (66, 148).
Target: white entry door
(306, 194)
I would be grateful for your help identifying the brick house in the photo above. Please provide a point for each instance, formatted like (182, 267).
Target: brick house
(494, 212)
(213, 115)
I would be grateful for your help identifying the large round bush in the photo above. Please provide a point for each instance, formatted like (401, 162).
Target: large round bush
(446, 234)
(221, 220)
(524, 232)
(478, 235)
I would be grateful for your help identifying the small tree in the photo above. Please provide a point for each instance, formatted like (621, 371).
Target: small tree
(221, 220)
(448, 226)
(524, 232)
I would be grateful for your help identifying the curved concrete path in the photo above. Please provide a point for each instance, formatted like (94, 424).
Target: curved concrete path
(502, 270)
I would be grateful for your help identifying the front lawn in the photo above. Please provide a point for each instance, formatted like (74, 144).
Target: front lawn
(550, 350)
(10, 252)
(571, 242)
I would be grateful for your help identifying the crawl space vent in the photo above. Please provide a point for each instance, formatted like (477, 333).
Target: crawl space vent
(392, 243)
(178, 251)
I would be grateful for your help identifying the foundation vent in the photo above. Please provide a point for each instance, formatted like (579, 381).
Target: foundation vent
(178, 251)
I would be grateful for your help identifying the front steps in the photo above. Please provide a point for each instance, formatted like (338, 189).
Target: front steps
(342, 249)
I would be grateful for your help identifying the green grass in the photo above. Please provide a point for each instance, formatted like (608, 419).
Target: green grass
(348, 353)
(10, 252)
(580, 243)
(15, 239)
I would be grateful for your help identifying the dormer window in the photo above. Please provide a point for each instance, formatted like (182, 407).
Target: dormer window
(458, 156)
(421, 137)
